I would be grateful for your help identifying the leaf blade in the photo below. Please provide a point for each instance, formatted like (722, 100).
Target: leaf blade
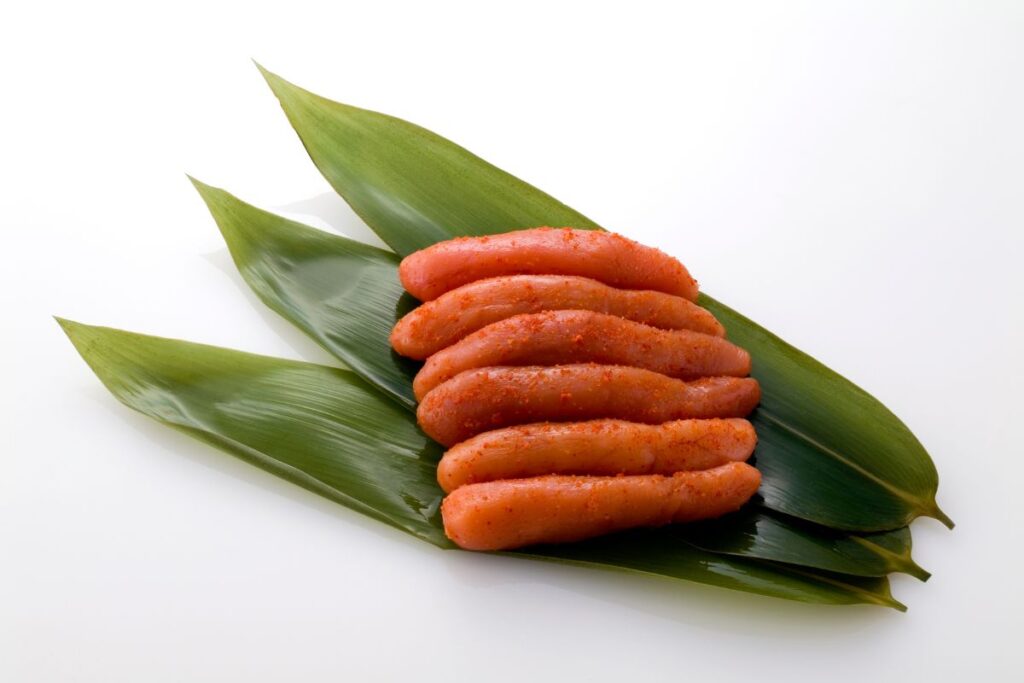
(803, 477)
(761, 534)
(282, 238)
(311, 425)
(806, 410)
(421, 184)
(331, 287)
(664, 558)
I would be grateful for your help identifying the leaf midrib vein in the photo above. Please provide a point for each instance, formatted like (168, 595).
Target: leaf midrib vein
(860, 469)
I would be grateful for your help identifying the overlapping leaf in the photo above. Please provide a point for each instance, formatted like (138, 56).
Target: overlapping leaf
(411, 186)
(344, 294)
(322, 428)
(758, 533)
(829, 453)
(327, 430)
(304, 273)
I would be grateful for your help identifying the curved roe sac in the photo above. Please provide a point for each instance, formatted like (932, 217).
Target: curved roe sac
(442, 322)
(556, 369)
(596, 447)
(490, 398)
(513, 513)
(603, 256)
(561, 337)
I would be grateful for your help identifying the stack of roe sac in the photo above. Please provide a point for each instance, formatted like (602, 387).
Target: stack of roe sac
(577, 386)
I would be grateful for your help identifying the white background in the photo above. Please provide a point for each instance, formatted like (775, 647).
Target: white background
(848, 174)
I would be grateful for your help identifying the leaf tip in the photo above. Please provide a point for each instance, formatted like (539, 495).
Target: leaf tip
(917, 571)
(279, 86)
(81, 336)
(937, 513)
(205, 191)
(70, 327)
(217, 200)
(263, 71)
(239, 223)
(297, 102)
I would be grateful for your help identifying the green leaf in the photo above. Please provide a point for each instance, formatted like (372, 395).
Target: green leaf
(327, 430)
(427, 195)
(344, 294)
(829, 452)
(758, 533)
(301, 272)
(322, 428)
(662, 556)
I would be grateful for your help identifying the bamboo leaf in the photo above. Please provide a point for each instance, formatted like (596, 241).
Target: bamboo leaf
(823, 441)
(342, 293)
(322, 428)
(758, 533)
(327, 430)
(259, 237)
(428, 198)
(829, 453)
(663, 557)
